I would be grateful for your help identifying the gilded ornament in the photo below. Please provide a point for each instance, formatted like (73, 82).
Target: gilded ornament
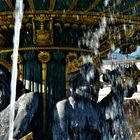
(44, 57)
(66, 25)
(42, 37)
(71, 57)
(83, 27)
(11, 26)
(28, 25)
(28, 136)
(4, 27)
(129, 32)
(75, 26)
(19, 58)
(57, 24)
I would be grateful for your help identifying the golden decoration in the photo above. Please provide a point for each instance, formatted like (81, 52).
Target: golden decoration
(129, 32)
(4, 27)
(66, 25)
(44, 57)
(19, 58)
(73, 62)
(11, 26)
(83, 27)
(28, 25)
(71, 57)
(42, 37)
(28, 136)
(73, 66)
(75, 26)
(96, 61)
(88, 18)
(48, 48)
(57, 24)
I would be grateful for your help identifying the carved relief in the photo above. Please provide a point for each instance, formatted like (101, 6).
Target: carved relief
(42, 33)
(42, 37)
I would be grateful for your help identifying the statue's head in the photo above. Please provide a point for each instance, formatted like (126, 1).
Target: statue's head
(84, 81)
(121, 77)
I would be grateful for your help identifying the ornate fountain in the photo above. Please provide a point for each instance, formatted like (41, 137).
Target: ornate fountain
(49, 47)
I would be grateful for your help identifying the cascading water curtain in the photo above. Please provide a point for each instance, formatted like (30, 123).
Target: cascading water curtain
(16, 38)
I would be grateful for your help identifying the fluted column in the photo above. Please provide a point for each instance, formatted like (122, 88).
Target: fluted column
(44, 57)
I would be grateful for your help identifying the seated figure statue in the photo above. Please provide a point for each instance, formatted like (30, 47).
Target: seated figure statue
(4, 87)
(25, 107)
(81, 117)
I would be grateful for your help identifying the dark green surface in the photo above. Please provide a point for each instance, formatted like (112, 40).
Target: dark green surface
(80, 6)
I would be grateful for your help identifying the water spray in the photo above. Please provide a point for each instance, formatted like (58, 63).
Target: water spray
(16, 38)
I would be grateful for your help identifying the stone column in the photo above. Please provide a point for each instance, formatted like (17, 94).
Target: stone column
(44, 57)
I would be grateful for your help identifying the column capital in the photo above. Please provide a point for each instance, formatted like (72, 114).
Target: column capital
(73, 62)
(70, 57)
(44, 57)
(19, 58)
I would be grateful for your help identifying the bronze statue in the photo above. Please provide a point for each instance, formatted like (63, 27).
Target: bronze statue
(81, 117)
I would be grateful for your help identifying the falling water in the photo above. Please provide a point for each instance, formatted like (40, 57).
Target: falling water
(16, 38)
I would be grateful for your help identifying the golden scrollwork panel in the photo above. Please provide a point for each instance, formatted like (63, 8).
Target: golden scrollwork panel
(42, 36)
